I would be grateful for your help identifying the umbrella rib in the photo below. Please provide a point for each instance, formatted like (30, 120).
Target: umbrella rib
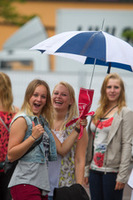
(87, 44)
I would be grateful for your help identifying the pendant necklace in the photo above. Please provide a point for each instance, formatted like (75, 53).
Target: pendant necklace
(109, 111)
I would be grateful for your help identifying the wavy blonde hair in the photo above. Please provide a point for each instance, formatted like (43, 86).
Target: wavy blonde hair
(72, 110)
(6, 95)
(46, 111)
(103, 102)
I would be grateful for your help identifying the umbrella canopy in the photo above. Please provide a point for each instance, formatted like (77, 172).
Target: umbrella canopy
(90, 47)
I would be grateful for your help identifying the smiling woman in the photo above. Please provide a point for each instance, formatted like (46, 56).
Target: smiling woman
(69, 167)
(61, 99)
(113, 90)
(32, 124)
(110, 142)
(38, 100)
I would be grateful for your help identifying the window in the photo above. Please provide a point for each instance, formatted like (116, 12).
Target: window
(16, 65)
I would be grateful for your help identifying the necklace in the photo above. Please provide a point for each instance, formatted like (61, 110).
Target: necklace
(109, 111)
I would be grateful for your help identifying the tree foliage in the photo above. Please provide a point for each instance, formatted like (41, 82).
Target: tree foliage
(128, 35)
(9, 14)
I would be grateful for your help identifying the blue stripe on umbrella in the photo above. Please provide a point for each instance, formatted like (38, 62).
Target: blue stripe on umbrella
(42, 51)
(113, 64)
(89, 45)
(86, 44)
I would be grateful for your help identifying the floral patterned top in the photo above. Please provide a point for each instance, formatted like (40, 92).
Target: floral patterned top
(62, 171)
(100, 144)
(67, 170)
(4, 134)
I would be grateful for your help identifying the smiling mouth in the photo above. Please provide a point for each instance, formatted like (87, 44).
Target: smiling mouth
(37, 105)
(58, 102)
(112, 96)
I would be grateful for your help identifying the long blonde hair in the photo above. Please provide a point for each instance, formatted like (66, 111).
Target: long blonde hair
(103, 102)
(46, 111)
(72, 110)
(6, 95)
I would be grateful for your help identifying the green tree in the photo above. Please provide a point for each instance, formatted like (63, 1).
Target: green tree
(9, 15)
(128, 35)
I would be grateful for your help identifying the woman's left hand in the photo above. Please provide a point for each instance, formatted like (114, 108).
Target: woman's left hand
(119, 186)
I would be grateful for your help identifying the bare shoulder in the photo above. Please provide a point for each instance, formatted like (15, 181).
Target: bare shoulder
(19, 122)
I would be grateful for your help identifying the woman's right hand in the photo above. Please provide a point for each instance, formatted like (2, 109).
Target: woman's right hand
(37, 130)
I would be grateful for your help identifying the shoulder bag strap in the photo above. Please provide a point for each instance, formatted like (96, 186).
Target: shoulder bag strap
(4, 124)
(34, 145)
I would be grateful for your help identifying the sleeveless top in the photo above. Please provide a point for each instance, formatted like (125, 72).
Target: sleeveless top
(32, 169)
(4, 134)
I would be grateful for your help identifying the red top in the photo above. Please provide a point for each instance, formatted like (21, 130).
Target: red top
(4, 134)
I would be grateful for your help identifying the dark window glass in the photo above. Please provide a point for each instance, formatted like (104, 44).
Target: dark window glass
(16, 65)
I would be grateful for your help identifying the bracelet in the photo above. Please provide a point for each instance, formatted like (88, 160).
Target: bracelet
(33, 137)
(77, 130)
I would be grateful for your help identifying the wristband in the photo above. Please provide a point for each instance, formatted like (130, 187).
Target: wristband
(77, 130)
(33, 137)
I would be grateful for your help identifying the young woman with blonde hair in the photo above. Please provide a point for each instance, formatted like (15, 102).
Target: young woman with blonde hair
(110, 142)
(69, 167)
(30, 178)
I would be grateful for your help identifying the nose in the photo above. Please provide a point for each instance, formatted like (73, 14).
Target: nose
(39, 98)
(58, 95)
(112, 89)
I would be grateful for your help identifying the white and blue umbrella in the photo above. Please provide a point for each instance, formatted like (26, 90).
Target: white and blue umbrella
(90, 47)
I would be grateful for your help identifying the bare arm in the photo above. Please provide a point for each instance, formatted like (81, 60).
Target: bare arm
(17, 147)
(64, 148)
(80, 158)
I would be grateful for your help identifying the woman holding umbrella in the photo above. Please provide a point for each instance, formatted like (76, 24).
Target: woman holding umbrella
(110, 141)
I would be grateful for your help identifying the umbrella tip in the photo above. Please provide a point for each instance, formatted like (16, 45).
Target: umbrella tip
(102, 24)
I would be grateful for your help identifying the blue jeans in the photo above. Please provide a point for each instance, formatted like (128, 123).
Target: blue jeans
(102, 186)
(50, 197)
